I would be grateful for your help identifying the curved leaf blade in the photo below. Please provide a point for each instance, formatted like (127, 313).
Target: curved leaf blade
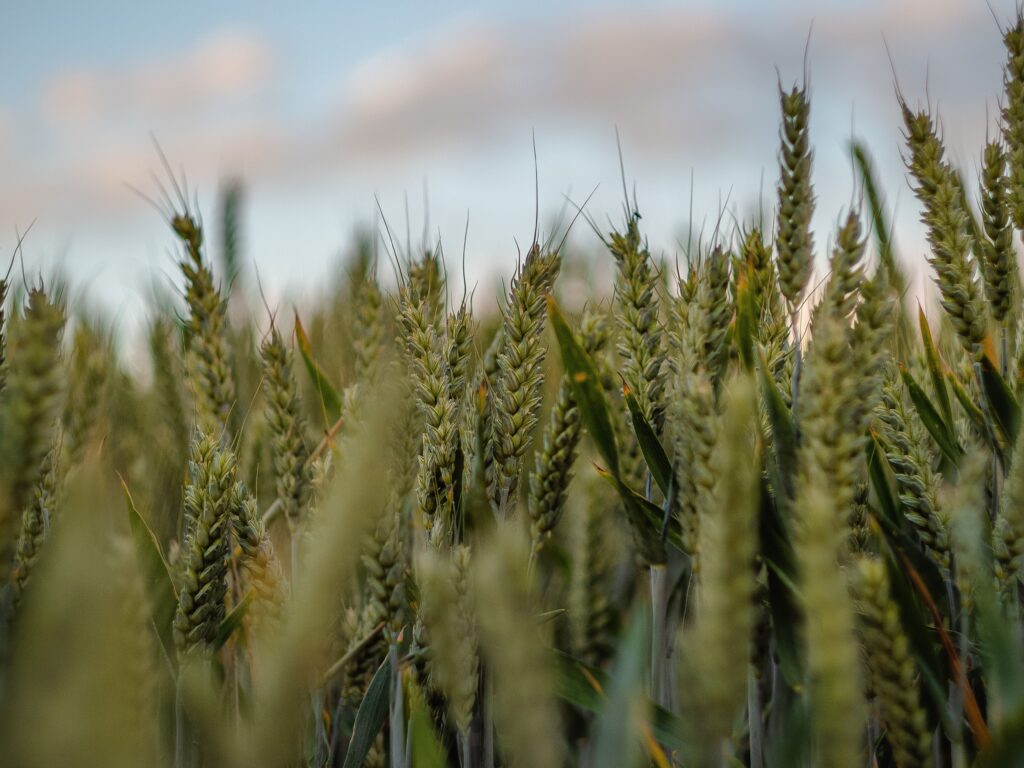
(584, 686)
(938, 428)
(781, 421)
(370, 717)
(645, 521)
(783, 598)
(586, 388)
(233, 620)
(156, 572)
(596, 417)
(1001, 399)
(328, 394)
(970, 407)
(427, 751)
(935, 366)
(880, 222)
(650, 446)
(746, 323)
(616, 740)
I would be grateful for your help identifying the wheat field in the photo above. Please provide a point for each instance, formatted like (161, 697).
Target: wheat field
(760, 508)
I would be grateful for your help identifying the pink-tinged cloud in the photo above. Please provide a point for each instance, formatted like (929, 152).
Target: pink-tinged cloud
(680, 84)
(224, 65)
(6, 132)
(669, 78)
(446, 86)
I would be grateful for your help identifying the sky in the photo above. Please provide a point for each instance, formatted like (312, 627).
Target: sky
(321, 108)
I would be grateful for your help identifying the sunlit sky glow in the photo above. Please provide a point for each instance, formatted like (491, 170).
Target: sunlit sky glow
(319, 106)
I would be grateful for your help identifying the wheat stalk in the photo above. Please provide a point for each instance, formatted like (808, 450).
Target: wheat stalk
(31, 404)
(519, 376)
(208, 502)
(892, 669)
(940, 191)
(716, 651)
(549, 484)
(794, 242)
(289, 451)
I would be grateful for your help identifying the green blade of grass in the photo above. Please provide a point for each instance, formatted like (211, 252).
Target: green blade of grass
(616, 738)
(971, 408)
(746, 324)
(427, 751)
(584, 686)
(899, 545)
(329, 397)
(879, 220)
(1001, 400)
(370, 716)
(645, 519)
(783, 441)
(935, 366)
(586, 389)
(650, 446)
(937, 427)
(783, 599)
(233, 620)
(163, 599)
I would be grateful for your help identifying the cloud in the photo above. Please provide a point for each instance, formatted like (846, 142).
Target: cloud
(668, 78)
(673, 80)
(6, 132)
(475, 84)
(685, 87)
(225, 65)
(447, 86)
(90, 135)
(74, 96)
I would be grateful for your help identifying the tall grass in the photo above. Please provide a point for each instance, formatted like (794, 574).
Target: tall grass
(758, 515)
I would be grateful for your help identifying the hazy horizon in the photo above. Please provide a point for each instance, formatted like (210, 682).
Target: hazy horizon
(322, 110)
